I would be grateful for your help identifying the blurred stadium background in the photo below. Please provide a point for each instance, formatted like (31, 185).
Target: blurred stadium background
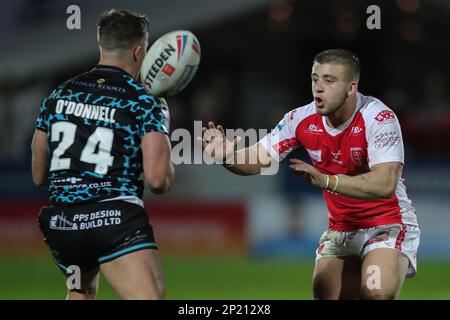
(223, 236)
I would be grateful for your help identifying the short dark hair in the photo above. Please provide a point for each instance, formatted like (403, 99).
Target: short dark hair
(121, 29)
(343, 57)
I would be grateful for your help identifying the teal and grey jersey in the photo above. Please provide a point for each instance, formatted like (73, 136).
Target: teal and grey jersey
(95, 123)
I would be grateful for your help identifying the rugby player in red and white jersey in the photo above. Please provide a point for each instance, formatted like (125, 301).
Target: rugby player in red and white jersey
(356, 149)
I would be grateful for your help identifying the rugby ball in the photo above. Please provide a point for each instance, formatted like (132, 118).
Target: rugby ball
(171, 63)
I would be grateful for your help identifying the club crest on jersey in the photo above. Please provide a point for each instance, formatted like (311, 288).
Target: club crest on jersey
(385, 116)
(357, 155)
(181, 44)
(314, 129)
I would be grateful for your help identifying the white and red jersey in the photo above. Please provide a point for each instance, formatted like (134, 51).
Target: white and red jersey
(371, 136)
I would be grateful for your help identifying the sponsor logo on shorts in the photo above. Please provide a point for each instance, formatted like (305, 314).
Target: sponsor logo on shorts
(59, 222)
(85, 221)
(98, 219)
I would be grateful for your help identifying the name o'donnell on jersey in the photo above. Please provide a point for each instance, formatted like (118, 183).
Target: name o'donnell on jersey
(87, 111)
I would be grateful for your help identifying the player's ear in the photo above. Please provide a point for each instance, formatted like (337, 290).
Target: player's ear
(352, 88)
(138, 53)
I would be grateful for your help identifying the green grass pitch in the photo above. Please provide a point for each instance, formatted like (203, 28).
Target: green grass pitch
(36, 277)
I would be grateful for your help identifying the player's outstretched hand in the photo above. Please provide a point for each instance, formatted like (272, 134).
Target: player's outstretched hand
(216, 145)
(311, 174)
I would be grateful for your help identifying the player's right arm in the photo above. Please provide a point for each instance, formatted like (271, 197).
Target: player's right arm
(244, 165)
(244, 162)
(262, 157)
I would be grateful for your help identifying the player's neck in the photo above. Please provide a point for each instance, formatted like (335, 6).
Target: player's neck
(116, 63)
(343, 114)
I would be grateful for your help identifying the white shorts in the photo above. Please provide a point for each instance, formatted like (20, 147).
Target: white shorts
(401, 237)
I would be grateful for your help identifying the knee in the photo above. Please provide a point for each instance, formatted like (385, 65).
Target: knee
(377, 294)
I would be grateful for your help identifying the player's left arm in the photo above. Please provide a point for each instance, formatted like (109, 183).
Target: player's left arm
(385, 160)
(159, 172)
(40, 158)
(379, 183)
